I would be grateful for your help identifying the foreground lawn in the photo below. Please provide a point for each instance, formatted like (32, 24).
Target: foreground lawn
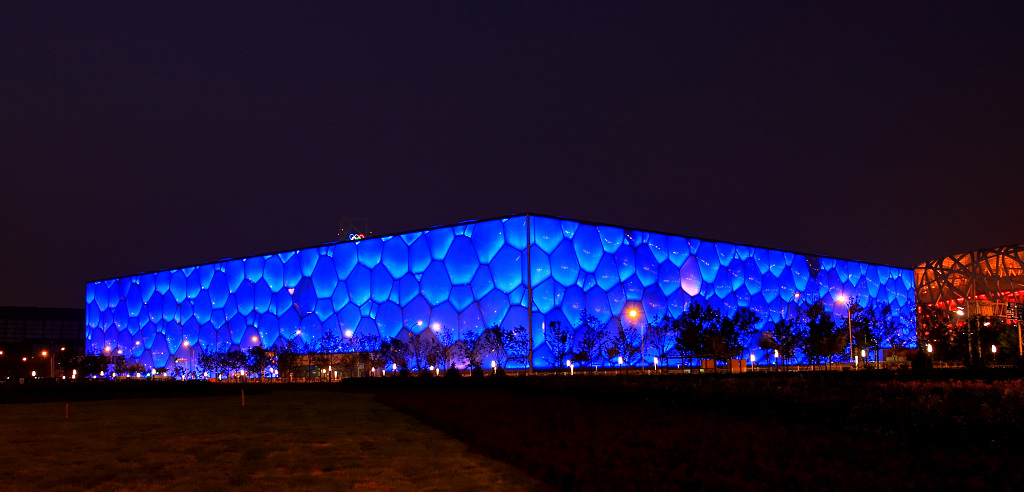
(285, 440)
(822, 432)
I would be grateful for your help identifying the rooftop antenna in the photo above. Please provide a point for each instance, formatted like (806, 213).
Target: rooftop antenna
(353, 229)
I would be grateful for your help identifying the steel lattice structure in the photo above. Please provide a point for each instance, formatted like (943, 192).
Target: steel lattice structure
(994, 276)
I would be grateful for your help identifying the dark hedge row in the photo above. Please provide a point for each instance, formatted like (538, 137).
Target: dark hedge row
(797, 432)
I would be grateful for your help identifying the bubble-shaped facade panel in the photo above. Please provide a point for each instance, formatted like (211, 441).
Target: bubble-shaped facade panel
(587, 244)
(488, 237)
(461, 260)
(325, 277)
(611, 238)
(435, 285)
(564, 267)
(507, 269)
(469, 277)
(547, 233)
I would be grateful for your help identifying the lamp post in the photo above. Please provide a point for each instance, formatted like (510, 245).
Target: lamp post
(47, 355)
(189, 366)
(635, 314)
(849, 317)
(970, 344)
(107, 351)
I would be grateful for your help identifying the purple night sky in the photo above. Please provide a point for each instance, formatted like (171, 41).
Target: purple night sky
(142, 136)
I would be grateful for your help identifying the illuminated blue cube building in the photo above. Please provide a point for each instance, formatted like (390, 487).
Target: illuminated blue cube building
(471, 276)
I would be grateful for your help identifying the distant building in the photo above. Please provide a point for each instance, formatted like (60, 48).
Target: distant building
(987, 282)
(960, 295)
(524, 271)
(27, 332)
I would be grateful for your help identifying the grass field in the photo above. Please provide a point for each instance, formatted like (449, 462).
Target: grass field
(827, 431)
(282, 440)
(816, 431)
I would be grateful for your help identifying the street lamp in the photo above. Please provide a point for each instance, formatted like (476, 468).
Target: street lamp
(107, 351)
(970, 342)
(635, 314)
(189, 365)
(45, 354)
(849, 317)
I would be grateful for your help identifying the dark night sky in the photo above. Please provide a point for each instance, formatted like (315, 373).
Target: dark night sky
(137, 136)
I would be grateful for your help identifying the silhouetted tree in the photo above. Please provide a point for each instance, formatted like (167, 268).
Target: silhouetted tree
(692, 328)
(625, 342)
(516, 345)
(88, 365)
(474, 349)
(371, 350)
(893, 328)
(209, 362)
(823, 339)
(329, 345)
(784, 337)
(258, 360)
(591, 340)
(288, 359)
(744, 322)
(491, 343)
(661, 338)
(560, 341)
(234, 360)
(395, 353)
(449, 346)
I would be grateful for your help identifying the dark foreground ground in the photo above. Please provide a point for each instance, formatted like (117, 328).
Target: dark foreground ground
(871, 430)
(826, 431)
(279, 441)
